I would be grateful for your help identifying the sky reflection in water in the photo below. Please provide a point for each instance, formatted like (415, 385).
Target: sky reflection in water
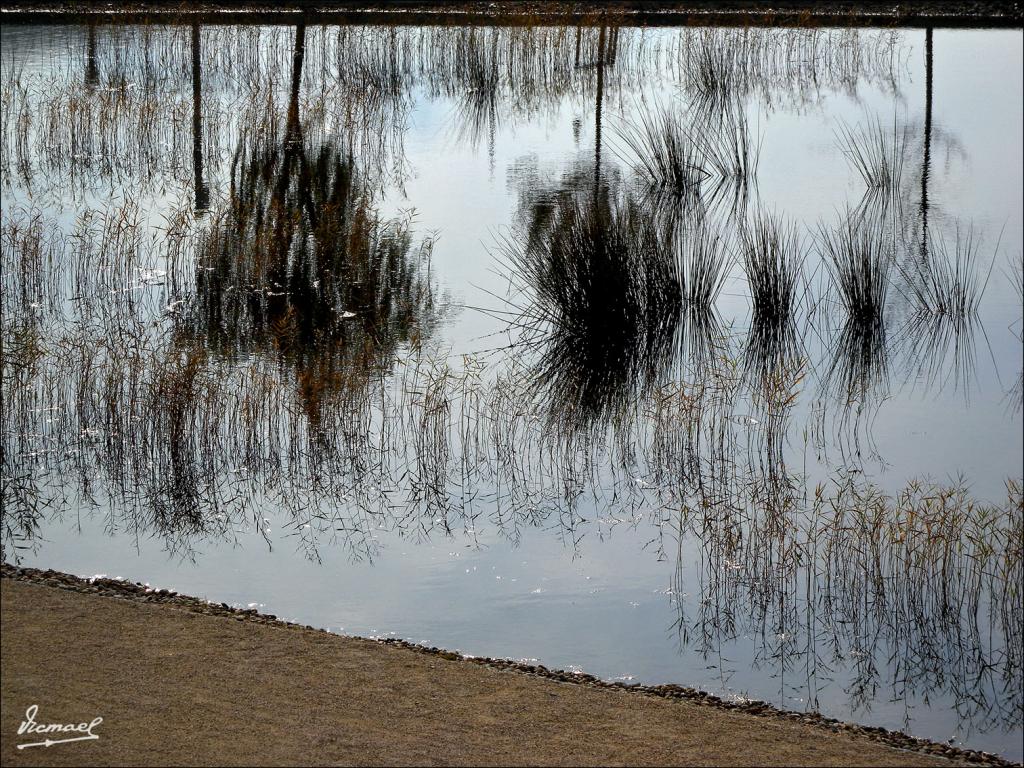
(675, 355)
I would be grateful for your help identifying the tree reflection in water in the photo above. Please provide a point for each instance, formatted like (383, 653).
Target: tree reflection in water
(299, 265)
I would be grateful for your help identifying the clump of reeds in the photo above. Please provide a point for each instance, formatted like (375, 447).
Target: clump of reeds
(710, 70)
(704, 262)
(666, 156)
(946, 281)
(605, 296)
(772, 261)
(943, 288)
(919, 575)
(860, 261)
(876, 152)
(795, 64)
(300, 263)
(687, 161)
(730, 153)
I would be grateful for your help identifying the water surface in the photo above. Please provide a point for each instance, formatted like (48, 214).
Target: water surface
(408, 331)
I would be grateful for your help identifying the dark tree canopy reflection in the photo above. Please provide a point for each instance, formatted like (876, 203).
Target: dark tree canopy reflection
(301, 266)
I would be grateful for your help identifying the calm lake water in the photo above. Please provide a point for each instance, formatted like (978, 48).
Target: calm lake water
(670, 355)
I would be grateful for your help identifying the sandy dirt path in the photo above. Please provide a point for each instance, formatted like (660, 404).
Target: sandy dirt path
(178, 687)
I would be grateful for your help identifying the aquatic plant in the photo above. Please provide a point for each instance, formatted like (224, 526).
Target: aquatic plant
(946, 281)
(605, 297)
(860, 263)
(667, 157)
(689, 155)
(877, 153)
(704, 259)
(772, 261)
(266, 364)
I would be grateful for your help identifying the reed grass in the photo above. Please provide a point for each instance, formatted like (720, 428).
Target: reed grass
(690, 155)
(668, 158)
(860, 262)
(947, 280)
(772, 260)
(876, 152)
(604, 296)
(179, 378)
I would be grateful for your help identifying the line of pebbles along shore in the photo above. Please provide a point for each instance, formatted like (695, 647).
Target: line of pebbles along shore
(143, 593)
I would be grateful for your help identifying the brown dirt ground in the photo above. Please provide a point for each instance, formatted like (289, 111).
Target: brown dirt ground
(176, 687)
